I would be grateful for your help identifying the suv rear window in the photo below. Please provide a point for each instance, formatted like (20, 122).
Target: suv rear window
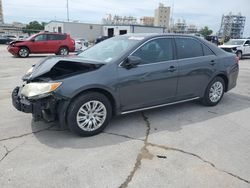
(56, 37)
(188, 48)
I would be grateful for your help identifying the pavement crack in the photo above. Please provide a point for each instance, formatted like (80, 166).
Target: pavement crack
(26, 134)
(144, 154)
(124, 136)
(7, 151)
(200, 158)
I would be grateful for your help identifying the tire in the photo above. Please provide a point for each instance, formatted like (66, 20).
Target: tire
(83, 116)
(214, 92)
(63, 51)
(23, 52)
(239, 54)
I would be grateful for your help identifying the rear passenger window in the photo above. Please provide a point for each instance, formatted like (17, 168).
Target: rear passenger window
(207, 51)
(56, 37)
(157, 50)
(188, 48)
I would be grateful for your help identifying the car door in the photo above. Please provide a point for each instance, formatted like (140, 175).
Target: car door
(39, 44)
(154, 81)
(247, 48)
(197, 64)
(54, 42)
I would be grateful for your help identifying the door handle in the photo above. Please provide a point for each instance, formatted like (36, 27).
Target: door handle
(172, 68)
(212, 62)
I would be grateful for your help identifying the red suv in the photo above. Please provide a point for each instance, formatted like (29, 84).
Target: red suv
(44, 42)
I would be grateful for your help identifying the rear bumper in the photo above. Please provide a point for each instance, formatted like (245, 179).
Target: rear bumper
(233, 76)
(41, 109)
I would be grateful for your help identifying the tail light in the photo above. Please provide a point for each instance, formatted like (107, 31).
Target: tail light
(237, 59)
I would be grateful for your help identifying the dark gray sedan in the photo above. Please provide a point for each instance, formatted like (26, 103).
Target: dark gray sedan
(125, 74)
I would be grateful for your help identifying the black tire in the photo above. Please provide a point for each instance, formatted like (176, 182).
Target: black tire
(63, 51)
(79, 102)
(206, 100)
(23, 52)
(239, 54)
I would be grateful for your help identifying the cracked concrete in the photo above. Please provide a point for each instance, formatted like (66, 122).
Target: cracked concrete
(185, 145)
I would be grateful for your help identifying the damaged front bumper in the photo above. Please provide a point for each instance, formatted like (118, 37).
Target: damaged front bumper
(41, 109)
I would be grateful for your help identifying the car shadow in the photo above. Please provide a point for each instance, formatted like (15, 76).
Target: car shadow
(171, 118)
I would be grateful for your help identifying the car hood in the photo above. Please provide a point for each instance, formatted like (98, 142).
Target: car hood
(16, 41)
(45, 65)
(229, 46)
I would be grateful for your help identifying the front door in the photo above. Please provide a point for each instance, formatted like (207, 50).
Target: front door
(154, 81)
(247, 47)
(40, 44)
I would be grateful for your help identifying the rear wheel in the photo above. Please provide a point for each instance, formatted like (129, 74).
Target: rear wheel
(23, 52)
(63, 51)
(214, 92)
(89, 114)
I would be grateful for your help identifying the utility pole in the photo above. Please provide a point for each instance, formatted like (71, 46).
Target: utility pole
(68, 10)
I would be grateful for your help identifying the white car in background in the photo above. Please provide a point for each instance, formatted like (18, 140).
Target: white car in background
(81, 44)
(241, 47)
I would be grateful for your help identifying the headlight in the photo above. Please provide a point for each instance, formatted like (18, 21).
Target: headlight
(36, 89)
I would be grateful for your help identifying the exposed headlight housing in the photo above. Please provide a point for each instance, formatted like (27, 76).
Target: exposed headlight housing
(36, 90)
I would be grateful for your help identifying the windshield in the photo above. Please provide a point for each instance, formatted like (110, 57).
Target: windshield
(235, 42)
(110, 49)
(30, 37)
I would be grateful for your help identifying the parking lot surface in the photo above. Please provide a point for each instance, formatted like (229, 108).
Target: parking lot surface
(185, 145)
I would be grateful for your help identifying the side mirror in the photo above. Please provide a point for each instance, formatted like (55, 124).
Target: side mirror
(132, 62)
(32, 40)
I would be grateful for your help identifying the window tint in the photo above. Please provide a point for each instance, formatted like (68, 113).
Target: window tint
(188, 48)
(56, 37)
(207, 51)
(247, 42)
(157, 50)
(40, 38)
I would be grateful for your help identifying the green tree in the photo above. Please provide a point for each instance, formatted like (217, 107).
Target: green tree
(34, 27)
(205, 31)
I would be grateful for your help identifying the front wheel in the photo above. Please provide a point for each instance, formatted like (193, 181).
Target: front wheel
(89, 114)
(214, 92)
(23, 52)
(239, 54)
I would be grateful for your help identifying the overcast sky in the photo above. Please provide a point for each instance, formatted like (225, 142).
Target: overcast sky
(202, 12)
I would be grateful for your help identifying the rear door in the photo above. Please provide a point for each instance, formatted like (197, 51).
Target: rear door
(197, 64)
(55, 42)
(154, 81)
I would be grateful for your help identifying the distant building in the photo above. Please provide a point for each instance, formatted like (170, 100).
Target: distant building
(119, 20)
(147, 20)
(114, 30)
(76, 30)
(192, 29)
(162, 16)
(15, 28)
(180, 26)
(232, 26)
(1, 12)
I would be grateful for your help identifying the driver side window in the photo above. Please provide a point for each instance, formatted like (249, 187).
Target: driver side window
(158, 50)
(41, 38)
(247, 42)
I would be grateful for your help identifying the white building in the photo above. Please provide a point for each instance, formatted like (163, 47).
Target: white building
(114, 30)
(162, 16)
(76, 30)
(1, 12)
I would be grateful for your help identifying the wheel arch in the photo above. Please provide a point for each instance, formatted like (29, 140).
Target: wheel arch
(225, 78)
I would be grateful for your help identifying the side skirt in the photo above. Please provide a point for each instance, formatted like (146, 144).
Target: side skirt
(157, 106)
